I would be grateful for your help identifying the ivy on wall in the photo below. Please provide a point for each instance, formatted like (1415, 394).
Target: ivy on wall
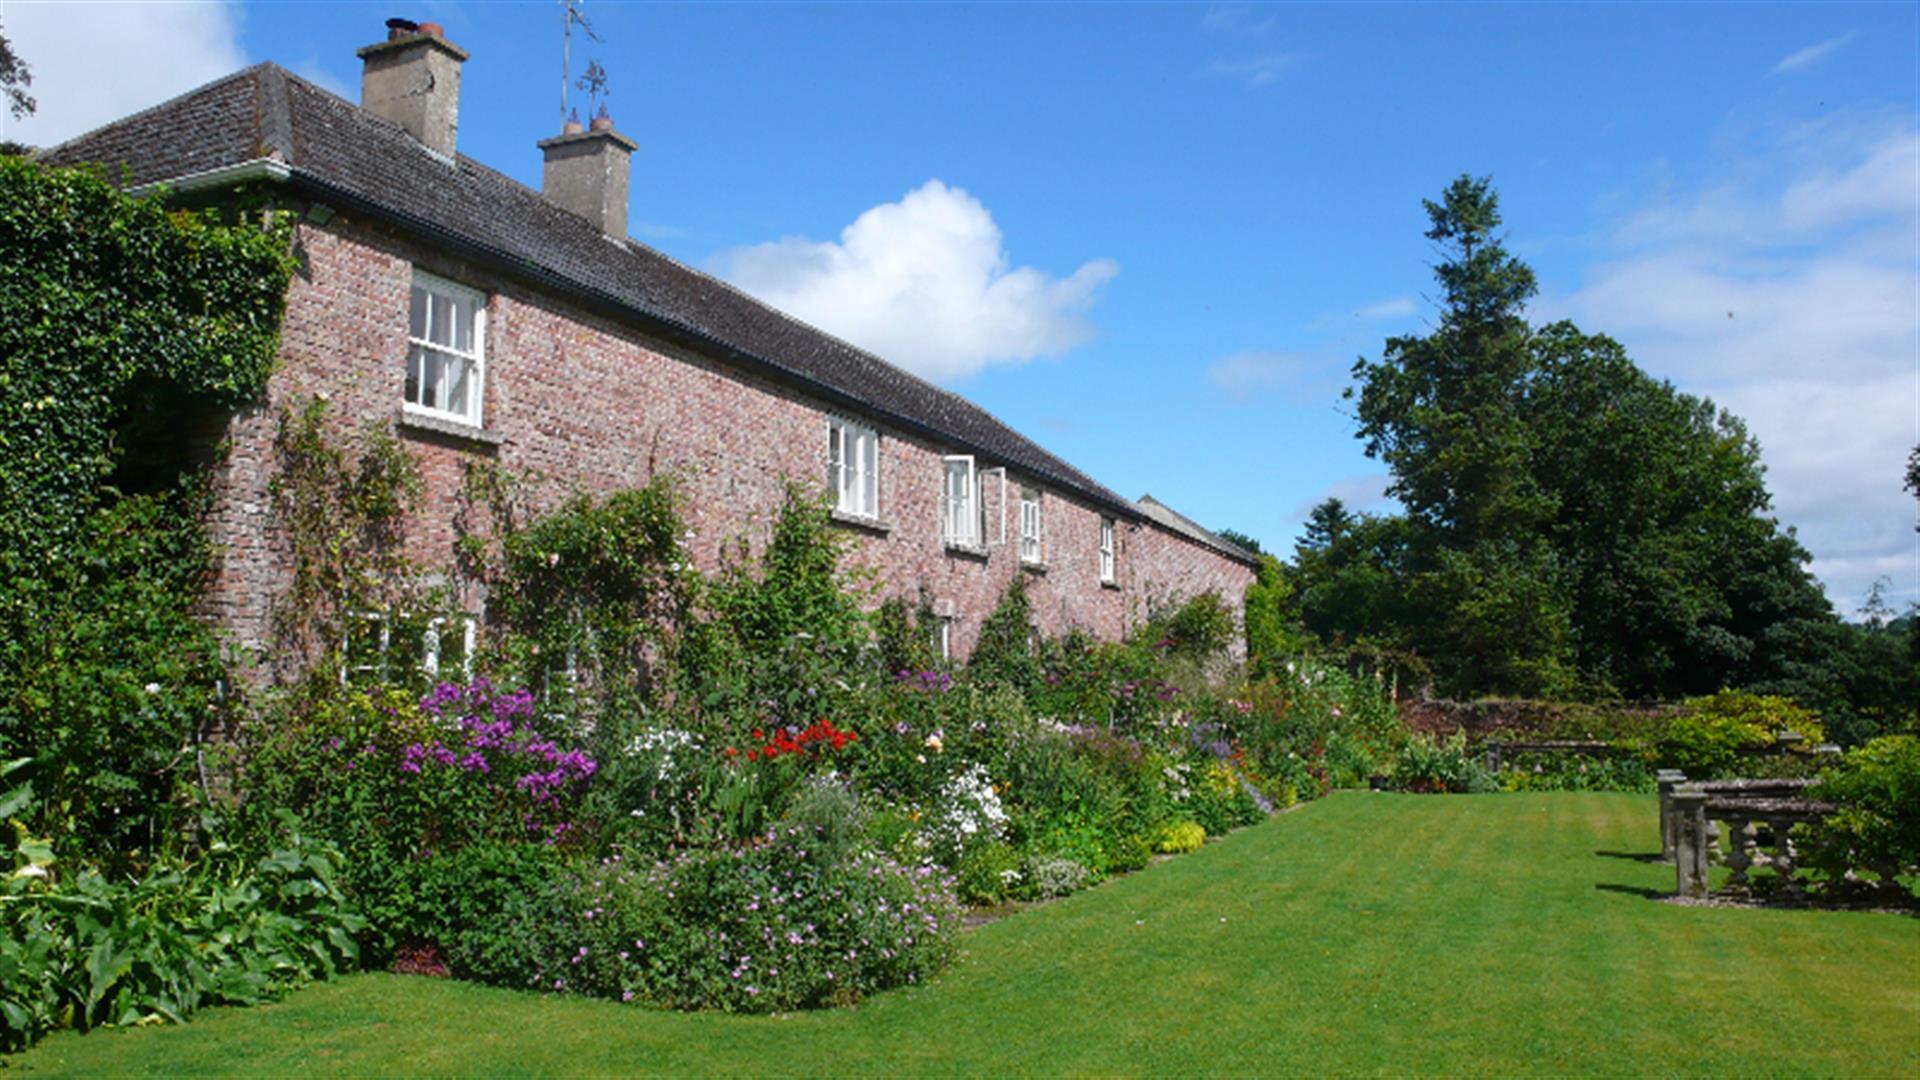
(119, 317)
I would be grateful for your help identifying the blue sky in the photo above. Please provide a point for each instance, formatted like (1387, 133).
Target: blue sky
(1155, 237)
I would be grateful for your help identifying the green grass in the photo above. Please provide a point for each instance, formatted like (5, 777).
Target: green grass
(1364, 933)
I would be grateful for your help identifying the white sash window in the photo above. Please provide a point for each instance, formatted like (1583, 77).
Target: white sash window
(853, 468)
(960, 503)
(1106, 549)
(446, 336)
(1030, 551)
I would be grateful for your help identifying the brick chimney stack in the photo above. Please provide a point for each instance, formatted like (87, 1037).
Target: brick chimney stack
(413, 79)
(586, 172)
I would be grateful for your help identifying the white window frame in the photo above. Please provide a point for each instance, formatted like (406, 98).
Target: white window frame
(476, 359)
(961, 514)
(1107, 560)
(1032, 525)
(379, 667)
(469, 630)
(943, 637)
(853, 478)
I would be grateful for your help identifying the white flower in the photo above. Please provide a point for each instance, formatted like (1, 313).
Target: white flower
(153, 688)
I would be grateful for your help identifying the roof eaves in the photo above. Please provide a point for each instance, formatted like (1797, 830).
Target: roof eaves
(1193, 530)
(319, 187)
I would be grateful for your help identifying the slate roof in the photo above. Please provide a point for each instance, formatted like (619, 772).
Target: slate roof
(1173, 520)
(341, 154)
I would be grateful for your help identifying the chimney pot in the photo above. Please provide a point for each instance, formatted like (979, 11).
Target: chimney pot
(433, 29)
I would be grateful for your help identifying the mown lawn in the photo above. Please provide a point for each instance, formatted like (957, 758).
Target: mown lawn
(1364, 933)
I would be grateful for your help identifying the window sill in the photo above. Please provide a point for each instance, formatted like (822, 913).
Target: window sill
(1107, 583)
(1036, 566)
(857, 521)
(966, 550)
(453, 428)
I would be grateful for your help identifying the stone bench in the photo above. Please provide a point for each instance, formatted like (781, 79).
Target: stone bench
(1691, 812)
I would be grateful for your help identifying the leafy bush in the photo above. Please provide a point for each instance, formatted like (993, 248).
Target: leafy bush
(775, 925)
(1437, 766)
(584, 597)
(1877, 823)
(988, 873)
(1004, 654)
(396, 783)
(120, 321)
(1199, 626)
(86, 951)
(781, 642)
(488, 911)
(1219, 802)
(904, 635)
(1310, 727)
(1707, 735)
(1047, 876)
(1181, 837)
(1571, 772)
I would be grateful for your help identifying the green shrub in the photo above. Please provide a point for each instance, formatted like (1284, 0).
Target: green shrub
(395, 783)
(1707, 735)
(581, 598)
(1877, 823)
(121, 320)
(1181, 837)
(904, 635)
(988, 873)
(1199, 626)
(85, 950)
(1441, 766)
(1004, 654)
(1218, 801)
(770, 926)
(489, 910)
(1047, 876)
(779, 642)
(1573, 772)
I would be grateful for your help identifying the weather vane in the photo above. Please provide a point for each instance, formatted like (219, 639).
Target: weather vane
(595, 80)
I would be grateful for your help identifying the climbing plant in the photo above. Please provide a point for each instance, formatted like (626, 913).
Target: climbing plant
(117, 316)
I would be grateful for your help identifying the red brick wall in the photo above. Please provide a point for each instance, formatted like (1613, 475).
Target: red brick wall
(582, 404)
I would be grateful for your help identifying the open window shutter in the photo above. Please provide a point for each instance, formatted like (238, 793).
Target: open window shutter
(836, 464)
(870, 474)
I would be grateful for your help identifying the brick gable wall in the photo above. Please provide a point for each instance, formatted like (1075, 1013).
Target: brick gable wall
(581, 404)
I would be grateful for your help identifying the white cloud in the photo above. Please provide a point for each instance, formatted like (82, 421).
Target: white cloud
(1255, 373)
(1397, 308)
(94, 63)
(1789, 295)
(925, 282)
(1801, 59)
(312, 70)
(1360, 494)
(1254, 71)
(1238, 19)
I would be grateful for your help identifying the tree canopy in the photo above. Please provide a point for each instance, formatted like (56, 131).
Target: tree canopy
(1572, 525)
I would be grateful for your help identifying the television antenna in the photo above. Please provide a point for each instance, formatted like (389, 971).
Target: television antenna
(571, 14)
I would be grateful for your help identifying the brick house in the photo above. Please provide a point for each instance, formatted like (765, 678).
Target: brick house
(484, 320)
